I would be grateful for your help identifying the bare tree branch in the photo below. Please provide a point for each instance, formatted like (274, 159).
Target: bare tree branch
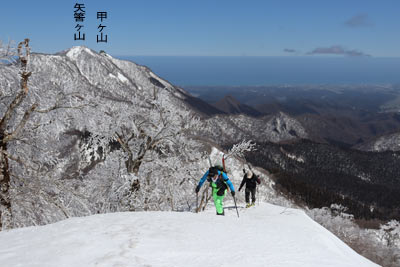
(18, 160)
(24, 63)
(239, 149)
(24, 85)
(7, 52)
(61, 105)
(21, 125)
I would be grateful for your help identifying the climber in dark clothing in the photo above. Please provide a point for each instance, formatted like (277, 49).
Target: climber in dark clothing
(251, 180)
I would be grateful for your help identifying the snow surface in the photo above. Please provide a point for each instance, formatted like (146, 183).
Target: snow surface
(122, 78)
(264, 235)
(75, 51)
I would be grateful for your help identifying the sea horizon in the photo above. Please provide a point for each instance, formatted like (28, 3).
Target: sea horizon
(271, 70)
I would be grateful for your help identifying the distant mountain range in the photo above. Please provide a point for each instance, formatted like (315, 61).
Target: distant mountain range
(230, 105)
(341, 115)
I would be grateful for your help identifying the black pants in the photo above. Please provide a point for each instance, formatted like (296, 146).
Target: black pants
(253, 195)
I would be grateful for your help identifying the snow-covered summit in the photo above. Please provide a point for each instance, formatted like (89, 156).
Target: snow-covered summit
(265, 235)
(75, 52)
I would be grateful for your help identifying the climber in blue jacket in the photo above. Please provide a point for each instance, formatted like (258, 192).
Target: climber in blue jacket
(219, 183)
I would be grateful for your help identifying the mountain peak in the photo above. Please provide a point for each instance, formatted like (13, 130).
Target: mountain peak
(75, 51)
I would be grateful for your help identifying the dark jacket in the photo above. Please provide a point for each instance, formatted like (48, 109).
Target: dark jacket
(250, 183)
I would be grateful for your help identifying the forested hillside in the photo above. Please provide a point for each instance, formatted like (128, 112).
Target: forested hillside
(318, 175)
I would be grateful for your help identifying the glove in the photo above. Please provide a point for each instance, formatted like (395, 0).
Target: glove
(197, 189)
(240, 189)
(244, 171)
(233, 193)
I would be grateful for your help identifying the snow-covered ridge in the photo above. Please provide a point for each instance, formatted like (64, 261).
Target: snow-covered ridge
(383, 143)
(296, 158)
(265, 235)
(234, 128)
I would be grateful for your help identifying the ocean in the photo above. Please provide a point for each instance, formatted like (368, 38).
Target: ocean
(256, 71)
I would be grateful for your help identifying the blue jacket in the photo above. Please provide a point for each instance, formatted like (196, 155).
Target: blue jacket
(224, 177)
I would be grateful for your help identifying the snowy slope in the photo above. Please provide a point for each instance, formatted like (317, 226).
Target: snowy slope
(234, 128)
(389, 142)
(266, 235)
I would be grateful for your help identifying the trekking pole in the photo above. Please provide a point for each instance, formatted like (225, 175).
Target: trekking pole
(197, 202)
(209, 161)
(234, 199)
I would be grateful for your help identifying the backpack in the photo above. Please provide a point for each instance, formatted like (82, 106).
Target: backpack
(214, 170)
(221, 183)
(216, 167)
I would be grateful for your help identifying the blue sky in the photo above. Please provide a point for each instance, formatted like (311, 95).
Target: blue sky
(212, 27)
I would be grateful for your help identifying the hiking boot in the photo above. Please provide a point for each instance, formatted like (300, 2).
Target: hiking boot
(222, 214)
(248, 205)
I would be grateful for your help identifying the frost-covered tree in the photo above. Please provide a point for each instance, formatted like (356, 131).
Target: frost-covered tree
(159, 154)
(390, 233)
(18, 125)
(380, 246)
(7, 51)
(239, 149)
(9, 131)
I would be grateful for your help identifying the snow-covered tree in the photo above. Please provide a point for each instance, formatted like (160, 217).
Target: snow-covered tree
(390, 233)
(9, 131)
(7, 51)
(380, 246)
(24, 178)
(159, 154)
(239, 149)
